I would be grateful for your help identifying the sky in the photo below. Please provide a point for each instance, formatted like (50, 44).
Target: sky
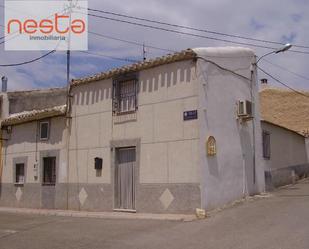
(285, 21)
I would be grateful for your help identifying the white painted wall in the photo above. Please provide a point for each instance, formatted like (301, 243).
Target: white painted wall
(287, 148)
(230, 174)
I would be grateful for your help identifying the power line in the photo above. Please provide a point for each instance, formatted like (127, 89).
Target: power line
(286, 69)
(192, 28)
(110, 57)
(27, 62)
(282, 83)
(189, 34)
(130, 42)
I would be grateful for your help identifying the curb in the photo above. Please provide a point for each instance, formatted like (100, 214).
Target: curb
(100, 215)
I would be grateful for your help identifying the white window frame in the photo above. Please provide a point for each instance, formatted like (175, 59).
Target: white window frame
(40, 130)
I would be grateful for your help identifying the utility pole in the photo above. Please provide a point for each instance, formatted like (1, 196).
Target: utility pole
(144, 52)
(68, 66)
(69, 41)
(68, 103)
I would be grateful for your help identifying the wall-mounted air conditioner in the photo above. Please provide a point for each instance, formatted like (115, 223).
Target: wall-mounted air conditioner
(244, 109)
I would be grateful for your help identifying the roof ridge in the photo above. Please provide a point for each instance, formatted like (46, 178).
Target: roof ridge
(28, 116)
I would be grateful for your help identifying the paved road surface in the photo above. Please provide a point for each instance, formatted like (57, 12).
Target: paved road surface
(278, 222)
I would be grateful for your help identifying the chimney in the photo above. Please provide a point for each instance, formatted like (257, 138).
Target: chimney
(4, 80)
(264, 83)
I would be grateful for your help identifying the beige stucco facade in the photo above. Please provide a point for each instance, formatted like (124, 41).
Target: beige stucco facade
(167, 142)
(168, 145)
(22, 145)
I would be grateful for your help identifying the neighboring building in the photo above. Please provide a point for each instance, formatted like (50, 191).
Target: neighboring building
(34, 148)
(285, 126)
(166, 135)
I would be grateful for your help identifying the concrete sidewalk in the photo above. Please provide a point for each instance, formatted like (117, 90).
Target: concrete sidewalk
(100, 215)
(127, 215)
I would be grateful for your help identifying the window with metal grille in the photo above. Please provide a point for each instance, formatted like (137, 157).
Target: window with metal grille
(49, 170)
(125, 96)
(19, 173)
(44, 130)
(266, 144)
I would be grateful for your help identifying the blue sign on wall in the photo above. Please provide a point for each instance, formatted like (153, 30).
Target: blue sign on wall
(189, 115)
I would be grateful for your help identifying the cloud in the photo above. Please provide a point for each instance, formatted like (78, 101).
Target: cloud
(256, 25)
(296, 17)
(289, 38)
(255, 18)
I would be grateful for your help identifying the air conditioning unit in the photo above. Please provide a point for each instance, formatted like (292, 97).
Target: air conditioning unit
(244, 109)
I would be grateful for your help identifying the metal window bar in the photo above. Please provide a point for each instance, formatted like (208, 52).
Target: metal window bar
(125, 96)
(49, 171)
(20, 173)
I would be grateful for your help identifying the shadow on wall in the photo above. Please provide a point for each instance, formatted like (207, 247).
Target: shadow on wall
(165, 78)
(247, 150)
(161, 77)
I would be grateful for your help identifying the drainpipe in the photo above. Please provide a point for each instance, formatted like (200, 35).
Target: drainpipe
(253, 123)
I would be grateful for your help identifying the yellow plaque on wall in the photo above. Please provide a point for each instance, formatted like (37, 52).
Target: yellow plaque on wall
(211, 146)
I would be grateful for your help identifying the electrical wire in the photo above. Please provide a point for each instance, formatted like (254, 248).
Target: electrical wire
(192, 28)
(189, 28)
(287, 70)
(130, 42)
(223, 68)
(176, 31)
(282, 83)
(187, 33)
(27, 62)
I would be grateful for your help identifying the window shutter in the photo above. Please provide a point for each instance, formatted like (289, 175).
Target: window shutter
(115, 97)
(266, 144)
(136, 93)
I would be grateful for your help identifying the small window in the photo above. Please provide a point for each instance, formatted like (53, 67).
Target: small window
(44, 130)
(266, 144)
(19, 173)
(125, 96)
(49, 170)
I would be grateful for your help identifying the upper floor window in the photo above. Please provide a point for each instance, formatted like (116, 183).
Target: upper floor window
(266, 144)
(44, 130)
(125, 96)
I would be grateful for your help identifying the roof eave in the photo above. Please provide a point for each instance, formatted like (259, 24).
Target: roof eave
(179, 56)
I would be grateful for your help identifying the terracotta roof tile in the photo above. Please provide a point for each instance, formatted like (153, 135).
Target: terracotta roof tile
(27, 116)
(179, 56)
(286, 109)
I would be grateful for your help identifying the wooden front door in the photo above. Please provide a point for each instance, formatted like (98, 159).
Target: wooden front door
(124, 178)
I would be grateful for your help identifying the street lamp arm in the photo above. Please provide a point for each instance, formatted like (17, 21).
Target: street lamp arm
(272, 52)
(280, 50)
